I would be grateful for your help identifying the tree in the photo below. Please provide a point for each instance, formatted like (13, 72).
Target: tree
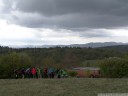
(11, 62)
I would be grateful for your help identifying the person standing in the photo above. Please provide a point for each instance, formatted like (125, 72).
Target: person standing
(16, 73)
(45, 73)
(33, 71)
(39, 72)
(23, 72)
(28, 72)
(59, 73)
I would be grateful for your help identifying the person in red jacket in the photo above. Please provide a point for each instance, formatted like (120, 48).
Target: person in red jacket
(33, 71)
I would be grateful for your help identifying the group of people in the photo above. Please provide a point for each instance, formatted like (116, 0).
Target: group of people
(40, 73)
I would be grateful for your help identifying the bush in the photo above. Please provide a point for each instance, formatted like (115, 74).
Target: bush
(114, 68)
(72, 73)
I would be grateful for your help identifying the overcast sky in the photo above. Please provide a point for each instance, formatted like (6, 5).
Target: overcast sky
(53, 22)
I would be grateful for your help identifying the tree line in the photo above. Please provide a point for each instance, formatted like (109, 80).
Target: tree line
(12, 58)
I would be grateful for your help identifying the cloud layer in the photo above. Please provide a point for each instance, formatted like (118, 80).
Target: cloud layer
(72, 21)
(68, 14)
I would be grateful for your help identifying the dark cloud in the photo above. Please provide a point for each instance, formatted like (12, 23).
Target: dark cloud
(59, 7)
(71, 14)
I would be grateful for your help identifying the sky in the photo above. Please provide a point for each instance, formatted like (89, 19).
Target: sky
(62, 22)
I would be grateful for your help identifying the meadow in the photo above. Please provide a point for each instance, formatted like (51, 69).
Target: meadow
(62, 87)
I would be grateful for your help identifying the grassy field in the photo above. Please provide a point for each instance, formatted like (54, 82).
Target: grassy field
(62, 87)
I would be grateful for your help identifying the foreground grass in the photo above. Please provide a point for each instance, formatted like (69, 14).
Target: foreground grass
(62, 87)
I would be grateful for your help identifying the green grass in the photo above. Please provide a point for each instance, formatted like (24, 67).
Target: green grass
(62, 87)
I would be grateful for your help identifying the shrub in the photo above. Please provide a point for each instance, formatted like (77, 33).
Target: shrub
(72, 73)
(114, 68)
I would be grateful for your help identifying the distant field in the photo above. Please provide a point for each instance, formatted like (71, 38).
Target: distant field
(62, 87)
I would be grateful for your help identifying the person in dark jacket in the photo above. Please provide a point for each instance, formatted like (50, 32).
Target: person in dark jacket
(23, 73)
(28, 72)
(16, 73)
(45, 73)
(58, 73)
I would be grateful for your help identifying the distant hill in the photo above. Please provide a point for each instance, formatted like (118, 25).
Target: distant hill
(92, 45)
(96, 45)
(122, 48)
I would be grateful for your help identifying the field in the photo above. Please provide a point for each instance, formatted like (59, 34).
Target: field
(62, 87)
